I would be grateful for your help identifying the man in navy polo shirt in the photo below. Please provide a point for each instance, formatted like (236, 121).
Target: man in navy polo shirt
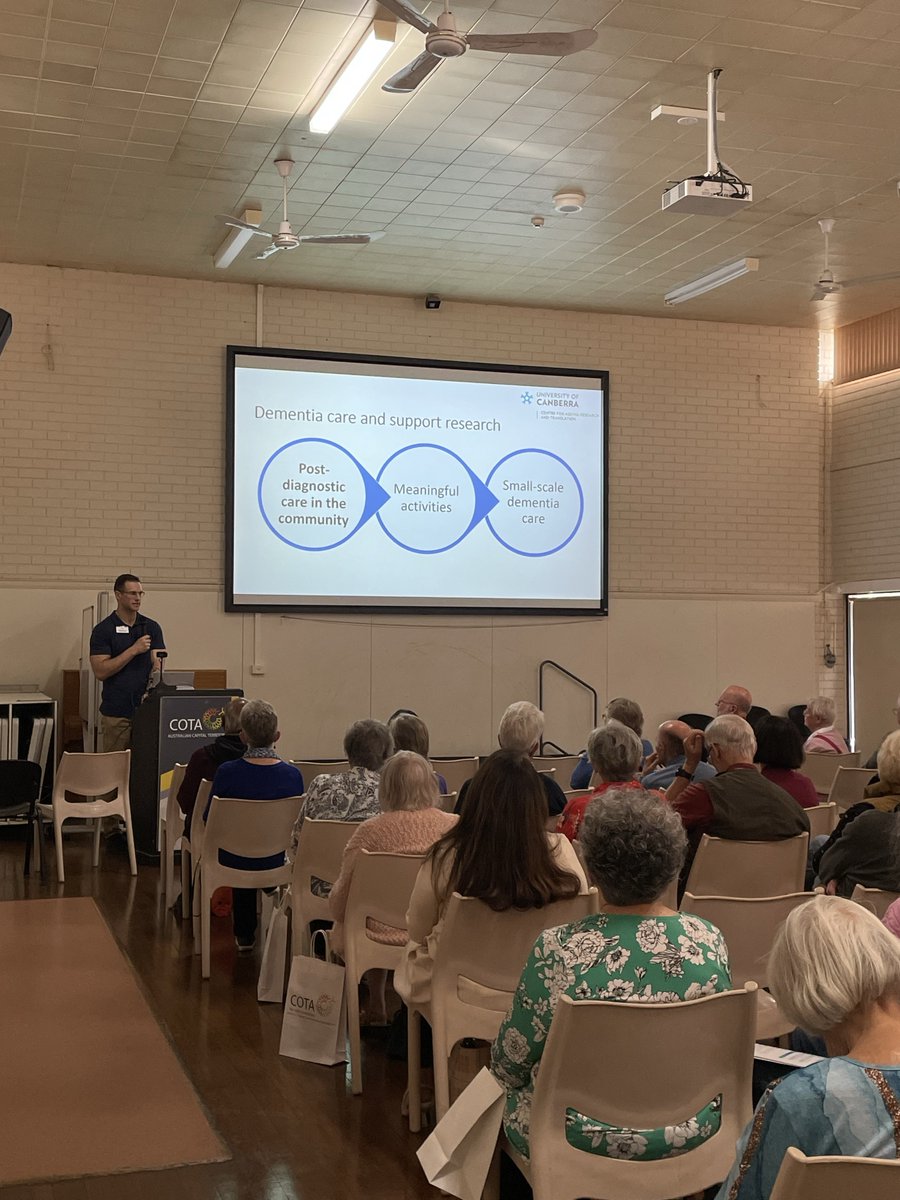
(124, 649)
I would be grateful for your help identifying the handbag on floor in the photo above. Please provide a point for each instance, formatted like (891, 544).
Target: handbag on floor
(273, 968)
(456, 1156)
(314, 1027)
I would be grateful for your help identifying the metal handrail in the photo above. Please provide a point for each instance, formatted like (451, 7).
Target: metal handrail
(549, 662)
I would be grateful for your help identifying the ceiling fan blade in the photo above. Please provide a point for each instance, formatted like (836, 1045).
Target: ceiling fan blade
(554, 45)
(341, 239)
(237, 223)
(406, 12)
(819, 294)
(412, 74)
(268, 252)
(845, 283)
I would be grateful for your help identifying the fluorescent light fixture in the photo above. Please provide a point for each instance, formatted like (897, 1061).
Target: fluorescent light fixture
(236, 239)
(353, 76)
(714, 279)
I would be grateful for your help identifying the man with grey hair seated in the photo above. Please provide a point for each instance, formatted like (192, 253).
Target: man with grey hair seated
(738, 804)
(818, 717)
(660, 767)
(521, 728)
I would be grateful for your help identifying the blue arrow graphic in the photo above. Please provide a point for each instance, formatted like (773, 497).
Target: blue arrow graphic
(375, 494)
(485, 500)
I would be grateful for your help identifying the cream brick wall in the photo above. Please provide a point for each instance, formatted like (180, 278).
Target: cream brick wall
(112, 451)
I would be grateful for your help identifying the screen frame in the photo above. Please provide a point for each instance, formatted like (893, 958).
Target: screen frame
(381, 360)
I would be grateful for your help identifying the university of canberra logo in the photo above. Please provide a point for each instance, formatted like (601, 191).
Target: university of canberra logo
(527, 398)
(213, 719)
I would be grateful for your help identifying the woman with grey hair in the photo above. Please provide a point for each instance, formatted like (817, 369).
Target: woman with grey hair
(636, 949)
(350, 795)
(615, 755)
(835, 971)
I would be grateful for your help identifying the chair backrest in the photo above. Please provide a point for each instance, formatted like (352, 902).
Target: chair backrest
(756, 714)
(795, 716)
(197, 831)
(836, 1178)
(876, 900)
(448, 803)
(728, 868)
(92, 774)
(479, 959)
(574, 793)
(379, 890)
(20, 785)
(250, 828)
(455, 770)
(562, 764)
(641, 1066)
(822, 768)
(696, 720)
(310, 768)
(748, 926)
(822, 819)
(848, 786)
(320, 850)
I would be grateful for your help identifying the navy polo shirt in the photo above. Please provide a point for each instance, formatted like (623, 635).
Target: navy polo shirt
(123, 691)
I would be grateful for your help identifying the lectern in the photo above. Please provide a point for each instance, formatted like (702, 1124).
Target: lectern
(168, 728)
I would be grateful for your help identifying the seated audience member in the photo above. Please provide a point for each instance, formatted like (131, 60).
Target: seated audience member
(734, 701)
(350, 795)
(409, 823)
(499, 852)
(259, 775)
(868, 854)
(738, 804)
(205, 761)
(881, 800)
(635, 950)
(835, 971)
(411, 733)
(668, 757)
(520, 730)
(626, 712)
(818, 716)
(872, 760)
(891, 919)
(779, 751)
(615, 755)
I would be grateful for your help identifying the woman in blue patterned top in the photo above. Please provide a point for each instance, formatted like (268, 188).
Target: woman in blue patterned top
(835, 971)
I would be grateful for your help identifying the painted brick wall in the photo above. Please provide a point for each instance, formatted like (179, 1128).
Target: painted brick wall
(112, 425)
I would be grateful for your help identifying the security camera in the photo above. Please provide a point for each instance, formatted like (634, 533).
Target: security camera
(432, 301)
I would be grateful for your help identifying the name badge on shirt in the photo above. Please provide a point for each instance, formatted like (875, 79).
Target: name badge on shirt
(122, 629)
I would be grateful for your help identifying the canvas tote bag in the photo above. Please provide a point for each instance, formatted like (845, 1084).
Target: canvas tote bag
(314, 1027)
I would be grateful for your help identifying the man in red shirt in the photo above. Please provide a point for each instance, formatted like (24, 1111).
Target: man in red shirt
(738, 804)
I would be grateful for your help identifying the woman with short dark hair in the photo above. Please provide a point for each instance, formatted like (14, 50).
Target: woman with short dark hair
(636, 949)
(779, 751)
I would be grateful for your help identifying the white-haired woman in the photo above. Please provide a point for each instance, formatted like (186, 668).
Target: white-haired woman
(835, 971)
(818, 716)
(409, 823)
(615, 754)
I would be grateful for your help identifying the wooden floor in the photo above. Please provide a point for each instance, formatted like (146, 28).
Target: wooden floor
(294, 1130)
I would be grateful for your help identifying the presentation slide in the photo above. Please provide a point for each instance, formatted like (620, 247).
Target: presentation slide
(399, 484)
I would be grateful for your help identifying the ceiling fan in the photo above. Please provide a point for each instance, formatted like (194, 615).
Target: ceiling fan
(826, 285)
(443, 41)
(285, 238)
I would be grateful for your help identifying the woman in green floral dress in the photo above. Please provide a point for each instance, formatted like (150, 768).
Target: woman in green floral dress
(635, 950)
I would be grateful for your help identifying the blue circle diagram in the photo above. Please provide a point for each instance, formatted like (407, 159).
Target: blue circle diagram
(553, 549)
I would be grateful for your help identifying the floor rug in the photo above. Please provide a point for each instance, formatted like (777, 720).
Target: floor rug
(91, 1085)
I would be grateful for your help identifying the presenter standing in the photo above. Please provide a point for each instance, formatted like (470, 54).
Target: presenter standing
(124, 649)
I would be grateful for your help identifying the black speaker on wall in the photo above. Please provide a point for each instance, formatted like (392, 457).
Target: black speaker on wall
(5, 327)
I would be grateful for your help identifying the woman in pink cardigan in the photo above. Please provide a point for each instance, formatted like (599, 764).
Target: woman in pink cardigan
(409, 823)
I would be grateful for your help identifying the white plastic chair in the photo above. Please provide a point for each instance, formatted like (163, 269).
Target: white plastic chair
(848, 786)
(192, 845)
(722, 867)
(563, 765)
(876, 900)
(170, 826)
(93, 776)
(640, 1066)
(251, 829)
(836, 1178)
(319, 854)
(822, 819)
(822, 768)
(455, 770)
(477, 966)
(380, 888)
(448, 803)
(749, 927)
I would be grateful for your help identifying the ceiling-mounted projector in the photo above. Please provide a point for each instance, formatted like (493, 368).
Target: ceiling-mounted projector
(718, 192)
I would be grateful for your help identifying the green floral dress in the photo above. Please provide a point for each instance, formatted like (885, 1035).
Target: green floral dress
(648, 960)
